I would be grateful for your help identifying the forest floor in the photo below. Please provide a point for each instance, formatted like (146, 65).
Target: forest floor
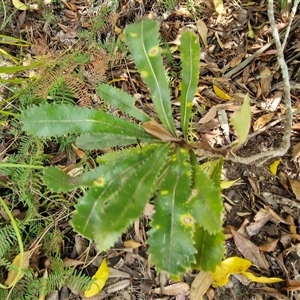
(261, 210)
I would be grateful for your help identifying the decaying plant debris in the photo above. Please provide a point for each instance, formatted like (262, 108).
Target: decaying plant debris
(76, 44)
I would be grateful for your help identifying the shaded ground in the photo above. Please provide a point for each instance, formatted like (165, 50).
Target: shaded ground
(58, 29)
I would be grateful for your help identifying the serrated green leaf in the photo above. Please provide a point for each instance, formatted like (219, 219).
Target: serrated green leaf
(143, 41)
(49, 120)
(171, 242)
(108, 208)
(105, 140)
(241, 122)
(190, 60)
(213, 169)
(210, 249)
(206, 201)
(59, 181)
(121, 100)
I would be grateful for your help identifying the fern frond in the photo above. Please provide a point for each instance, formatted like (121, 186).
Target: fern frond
(96, 68)
(79, 89)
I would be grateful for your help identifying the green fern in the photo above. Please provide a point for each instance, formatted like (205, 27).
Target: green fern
(29, 287)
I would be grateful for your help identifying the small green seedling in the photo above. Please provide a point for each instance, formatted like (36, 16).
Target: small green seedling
(157, 164)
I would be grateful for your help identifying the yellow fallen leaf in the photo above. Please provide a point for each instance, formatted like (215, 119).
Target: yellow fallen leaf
(274, 166)
(100, 278)
(226, 184)
(219, 7)
(261, 279)
(237, 265)
(13, 275)
(220, 93)
(19, 5)
(231, 265)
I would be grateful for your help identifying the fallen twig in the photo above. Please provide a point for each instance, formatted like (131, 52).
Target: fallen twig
(248, 60)
(285, 143)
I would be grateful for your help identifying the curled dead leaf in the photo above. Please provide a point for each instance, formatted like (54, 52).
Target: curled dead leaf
(249, 250)
(262, 121)
(132, 244)
(295, 185)
(265, 80)
(157, 130)
(296, 151)
(174, 289)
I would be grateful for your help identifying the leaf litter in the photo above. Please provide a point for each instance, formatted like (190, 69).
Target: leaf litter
(269, 203)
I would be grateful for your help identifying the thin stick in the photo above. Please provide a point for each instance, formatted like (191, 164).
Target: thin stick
(248, 60)
(285, 143)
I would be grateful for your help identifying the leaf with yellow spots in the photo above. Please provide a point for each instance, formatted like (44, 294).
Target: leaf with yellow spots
(100, 279)
(190, 60)
(59, 181)
(143, 41)
(171, 243)
(128, 183)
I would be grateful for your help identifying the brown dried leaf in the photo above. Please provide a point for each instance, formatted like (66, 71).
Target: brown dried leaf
(174, 289)
(138, 232)
(277, 217)
(242, 16)
(235, 61)
(260, 219)
(68, 262)
(209, 116)
(249, 250)
(273, 293)
(262, 121)
(292, 227)
(295, 185)
(80, 244)
(283, 180)
(120, 285)
(292, 285)
(296, 151)
(157, 130)
(202, 30)
(265, 81)
(200, 285)
(79, 153)
(254, 184)
(114, 273)
(132, 244)
(269, 247)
